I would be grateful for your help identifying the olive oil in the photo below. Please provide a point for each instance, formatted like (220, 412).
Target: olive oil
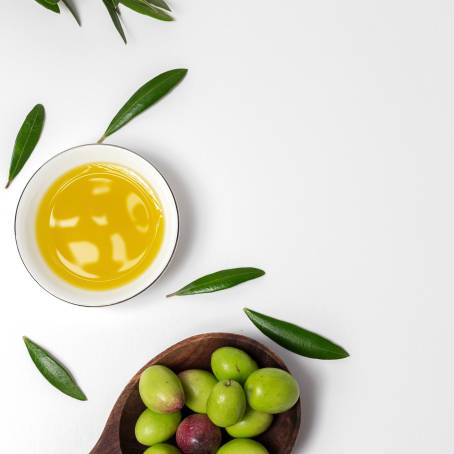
(99, 226)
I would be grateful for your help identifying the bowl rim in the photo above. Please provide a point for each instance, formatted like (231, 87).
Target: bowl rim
(164, 268)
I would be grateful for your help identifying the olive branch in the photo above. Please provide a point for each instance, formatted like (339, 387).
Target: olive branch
(157, 9)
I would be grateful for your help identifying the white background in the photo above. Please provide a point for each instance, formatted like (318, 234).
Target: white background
(313, 139)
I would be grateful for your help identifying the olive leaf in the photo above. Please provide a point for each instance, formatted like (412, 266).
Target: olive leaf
(160, 4)
(53, 371)
(158, 9)
(52, 5)
(112, 8)
(72, 9)
(26, 140)
(220, 280)
(147, 8)
(145, 97)
(296, 339)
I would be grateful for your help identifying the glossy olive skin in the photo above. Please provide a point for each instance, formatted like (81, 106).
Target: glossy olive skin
(271, 390)
(243, 446)
(197, 385)
(162, 448)
(226, 404)
(152, 428)
(230, 363)
(161, 390)
(253, 423)
(198, 435)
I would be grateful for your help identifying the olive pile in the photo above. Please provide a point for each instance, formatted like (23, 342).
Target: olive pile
(238, 397)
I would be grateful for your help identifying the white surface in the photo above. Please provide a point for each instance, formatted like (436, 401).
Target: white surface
(37, 187)
(313, 139)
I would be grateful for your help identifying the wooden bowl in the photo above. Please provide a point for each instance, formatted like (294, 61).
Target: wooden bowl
(195, 353)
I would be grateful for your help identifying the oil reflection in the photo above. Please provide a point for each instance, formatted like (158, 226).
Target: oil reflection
(99, 226)
(107, 231)
(84, 248)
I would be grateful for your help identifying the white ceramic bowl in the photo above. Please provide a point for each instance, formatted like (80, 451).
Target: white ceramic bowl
(33, 194)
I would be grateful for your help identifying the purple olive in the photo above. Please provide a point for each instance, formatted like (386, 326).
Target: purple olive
(196, 434)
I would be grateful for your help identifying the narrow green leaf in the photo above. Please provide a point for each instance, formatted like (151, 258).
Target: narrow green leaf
(26, 140)
(295, 338)
(145, 97)
(72, 9)
(220, 280)
(159, 3)
(146, 7)
(54, 372)
(49, 4)
(113, 12)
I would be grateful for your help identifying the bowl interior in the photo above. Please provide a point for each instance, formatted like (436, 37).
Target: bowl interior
(195, 353)
(33, 194)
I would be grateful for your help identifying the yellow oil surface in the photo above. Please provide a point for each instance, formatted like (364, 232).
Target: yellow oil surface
(99, 226)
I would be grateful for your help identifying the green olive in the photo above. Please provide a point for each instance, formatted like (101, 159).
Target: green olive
(152, 428)
(162, 448)
(253, 423)
(226, 404)
(230, 363)
(271, 390)
(197, 385)
(243, 446)
(161, 390)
